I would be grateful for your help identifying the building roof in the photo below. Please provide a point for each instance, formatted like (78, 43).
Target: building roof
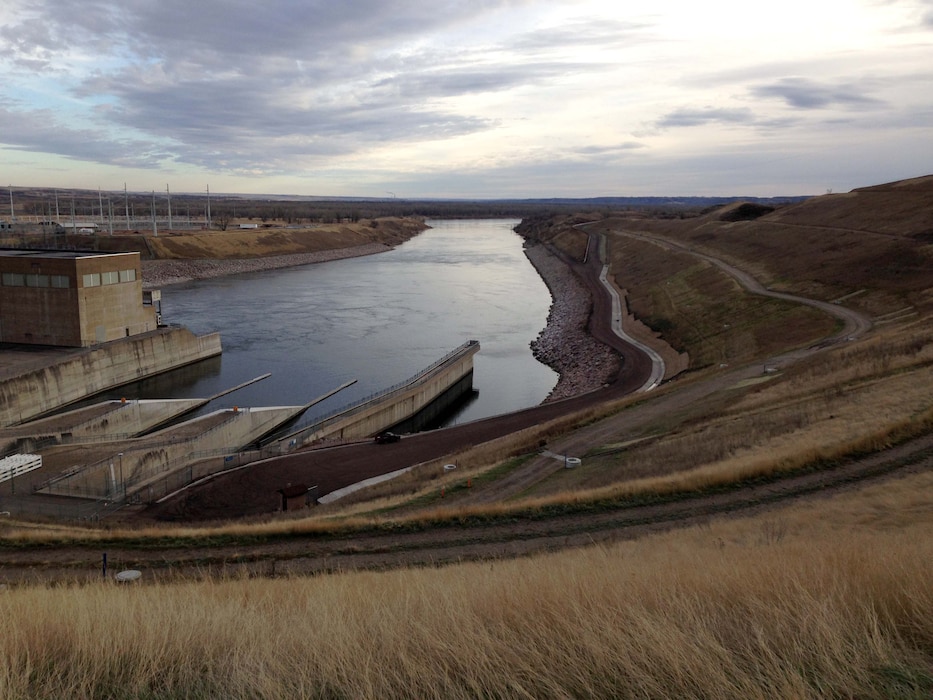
(294, 491)
(55, 254)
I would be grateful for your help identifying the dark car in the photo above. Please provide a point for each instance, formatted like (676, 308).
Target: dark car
(386, 438)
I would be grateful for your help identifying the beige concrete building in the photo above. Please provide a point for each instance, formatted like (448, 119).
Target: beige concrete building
(73, 298)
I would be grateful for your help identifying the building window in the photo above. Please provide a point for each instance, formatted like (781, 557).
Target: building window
(14, 279)
(92, 280)
(127, 275)
(109, 277)
(37, 280)
(60, 281)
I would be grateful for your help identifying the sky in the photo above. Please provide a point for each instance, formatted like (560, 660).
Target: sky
(466, 99)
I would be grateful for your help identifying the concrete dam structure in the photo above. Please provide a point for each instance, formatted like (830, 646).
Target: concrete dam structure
(76, 375)
(96, 462)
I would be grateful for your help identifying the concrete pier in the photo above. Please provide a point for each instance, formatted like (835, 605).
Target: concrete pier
(109, 470)
(108, 420)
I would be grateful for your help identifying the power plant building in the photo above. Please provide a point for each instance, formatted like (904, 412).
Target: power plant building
(73, 298)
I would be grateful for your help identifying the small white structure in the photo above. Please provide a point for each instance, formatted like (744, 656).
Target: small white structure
(80, 227)
(14, 465)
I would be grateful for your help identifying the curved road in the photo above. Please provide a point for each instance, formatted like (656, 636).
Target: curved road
(855, 324)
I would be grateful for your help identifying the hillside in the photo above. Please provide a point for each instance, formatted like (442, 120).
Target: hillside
(872, 246)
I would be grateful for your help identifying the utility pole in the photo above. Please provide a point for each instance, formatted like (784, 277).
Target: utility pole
(169, 197)
(58, 217)
(155, 226)
(126, 205)
(208, 207)
(12, 213)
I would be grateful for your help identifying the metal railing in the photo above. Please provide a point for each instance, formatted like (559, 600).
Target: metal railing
(317, 422)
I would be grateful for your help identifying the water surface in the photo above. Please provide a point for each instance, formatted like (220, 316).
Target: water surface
(378, 319)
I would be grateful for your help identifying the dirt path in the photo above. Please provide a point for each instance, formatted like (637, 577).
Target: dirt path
(629, 424)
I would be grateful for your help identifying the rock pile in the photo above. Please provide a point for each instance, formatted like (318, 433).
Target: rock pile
(564, 345)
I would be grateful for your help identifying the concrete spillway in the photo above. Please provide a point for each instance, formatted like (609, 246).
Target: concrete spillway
(146, 468)
(395, 405)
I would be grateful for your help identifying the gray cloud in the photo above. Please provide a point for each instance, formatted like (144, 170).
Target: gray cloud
(808, 94)
(217, 34)
(39, 131)
(705, 115)
(593, 34)
(267, 86)
(610, 152)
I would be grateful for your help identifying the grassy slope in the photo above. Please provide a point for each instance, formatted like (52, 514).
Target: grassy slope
(875, 243)
(830, 599)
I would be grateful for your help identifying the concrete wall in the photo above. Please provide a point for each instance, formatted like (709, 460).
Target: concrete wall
(103, 367)
(399, 405)
(134, 465)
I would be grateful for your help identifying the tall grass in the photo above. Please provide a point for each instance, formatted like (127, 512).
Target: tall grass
(741, 609)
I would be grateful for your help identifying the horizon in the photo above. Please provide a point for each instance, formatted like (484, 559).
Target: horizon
(500, 101)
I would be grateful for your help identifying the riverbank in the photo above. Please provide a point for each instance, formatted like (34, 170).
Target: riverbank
(564, 344)
(161, 273)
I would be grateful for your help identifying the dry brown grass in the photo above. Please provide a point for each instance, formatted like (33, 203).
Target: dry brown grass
(259, 243)
(875, 242)
(822, 600)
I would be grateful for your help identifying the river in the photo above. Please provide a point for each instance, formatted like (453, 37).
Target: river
(378, 320)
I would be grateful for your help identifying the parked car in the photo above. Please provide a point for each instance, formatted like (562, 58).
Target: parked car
(387, 437)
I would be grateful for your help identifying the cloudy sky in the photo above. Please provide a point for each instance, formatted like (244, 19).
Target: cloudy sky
(466, 98)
